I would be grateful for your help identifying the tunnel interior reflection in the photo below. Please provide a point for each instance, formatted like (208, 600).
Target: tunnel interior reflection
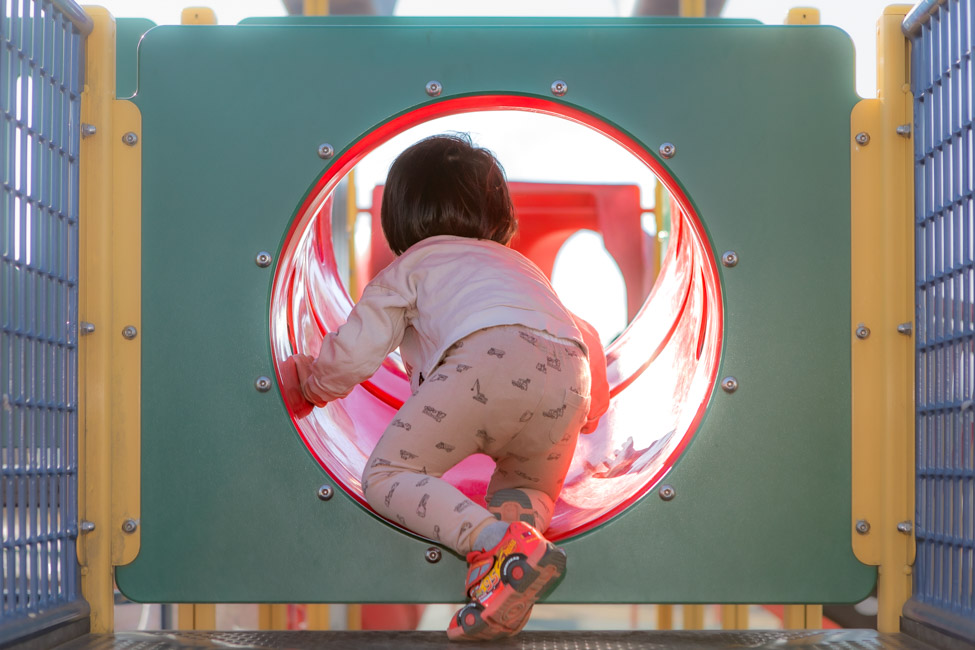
(661, 368)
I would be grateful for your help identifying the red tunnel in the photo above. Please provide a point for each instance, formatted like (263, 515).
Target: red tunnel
(661, 368)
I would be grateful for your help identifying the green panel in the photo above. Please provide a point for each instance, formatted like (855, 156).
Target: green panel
(462, 21)
(128, 33)
(232, 117)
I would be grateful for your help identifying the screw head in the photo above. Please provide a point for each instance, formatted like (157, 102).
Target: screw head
(668, 150)
(325, 151)
(129, 332)
(905, 527)
(559, 88)
(263, 259)
(262, 384)
(862, 331)
(729, 384)
(729, 258)
(86, 328)
(88, 130)
(325, 492)
(86, 526)
(129, 526)
(434, 88)
(667, 492)
(862, 138)
(863, 526)
(130, 138)
(433, 554)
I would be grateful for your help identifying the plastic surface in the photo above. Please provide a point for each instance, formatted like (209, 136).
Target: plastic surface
(664, 363)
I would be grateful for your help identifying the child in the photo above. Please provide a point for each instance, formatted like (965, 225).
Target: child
(497, 365)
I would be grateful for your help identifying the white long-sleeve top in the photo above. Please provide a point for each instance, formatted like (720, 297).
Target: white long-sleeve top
(434, 294)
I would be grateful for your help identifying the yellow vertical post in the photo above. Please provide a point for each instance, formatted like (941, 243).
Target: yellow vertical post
(665, 617)
(882, 293)
(692, 8)
(802, 16)
(109, 302)
(272, 617)
(198, 16)
(734, 617)
(196, 616)
(693, 616)
(802, 617)
(316, 7)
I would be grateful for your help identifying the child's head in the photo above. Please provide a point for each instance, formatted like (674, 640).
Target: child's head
(444, 185)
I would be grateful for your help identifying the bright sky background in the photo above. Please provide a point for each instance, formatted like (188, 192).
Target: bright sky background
(540, 148)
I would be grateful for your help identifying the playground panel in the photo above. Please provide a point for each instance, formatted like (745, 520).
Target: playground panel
(232, 119)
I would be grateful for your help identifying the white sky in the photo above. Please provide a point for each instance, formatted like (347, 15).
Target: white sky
(543, 148)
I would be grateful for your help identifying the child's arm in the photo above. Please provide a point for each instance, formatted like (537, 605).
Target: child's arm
(599, 389)
(353, 352)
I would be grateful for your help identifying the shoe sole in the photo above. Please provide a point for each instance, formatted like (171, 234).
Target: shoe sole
(510, 609)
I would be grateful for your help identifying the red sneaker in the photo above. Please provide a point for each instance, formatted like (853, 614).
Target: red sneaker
(504, 582)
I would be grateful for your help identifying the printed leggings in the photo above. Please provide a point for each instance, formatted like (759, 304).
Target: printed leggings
(510, 392)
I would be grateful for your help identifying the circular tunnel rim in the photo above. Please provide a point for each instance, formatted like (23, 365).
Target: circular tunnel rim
(345, 160)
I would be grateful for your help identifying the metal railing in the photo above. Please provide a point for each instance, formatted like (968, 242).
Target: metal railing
(40, 100)
(941, 80)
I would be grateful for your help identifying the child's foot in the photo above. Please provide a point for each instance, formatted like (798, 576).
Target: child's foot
(503, 583)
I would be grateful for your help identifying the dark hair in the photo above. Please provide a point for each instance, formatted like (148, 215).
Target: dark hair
(444, 185)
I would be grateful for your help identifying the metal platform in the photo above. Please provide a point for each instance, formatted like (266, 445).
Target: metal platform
(573, 640)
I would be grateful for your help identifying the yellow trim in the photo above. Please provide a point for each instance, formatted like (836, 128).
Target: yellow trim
(734, 617)
(802, 16)
(882, 293)
(198, 16)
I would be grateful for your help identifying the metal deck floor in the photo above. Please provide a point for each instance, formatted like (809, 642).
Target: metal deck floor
(569, 640)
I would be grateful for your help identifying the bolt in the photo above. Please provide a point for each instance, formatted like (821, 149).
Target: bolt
(433, 555)
(86, 328)
(325, 151)
(325, 492)
(434, 88)
(129, 526)
(667, 150)
(862, 331)
(262, 384)
(729, 258)
(863, 526)
(905, 328)
(263, 259)
(862, 138)
(967, 405)
(559, 88)
(904, 130)
(130, 138)
(667, 492)
(129, 332)
(88, 130)
(904, 527)
(729, 384)
(86, 526)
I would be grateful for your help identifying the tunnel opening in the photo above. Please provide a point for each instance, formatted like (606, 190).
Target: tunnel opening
(661, 366)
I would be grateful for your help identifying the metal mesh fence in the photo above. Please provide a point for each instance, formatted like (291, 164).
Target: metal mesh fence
(40, 87)
(941, 74)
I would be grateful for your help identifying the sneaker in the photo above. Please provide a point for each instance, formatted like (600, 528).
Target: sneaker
(505, 582)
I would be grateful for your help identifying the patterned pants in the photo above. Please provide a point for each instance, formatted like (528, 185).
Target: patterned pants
(507, 392)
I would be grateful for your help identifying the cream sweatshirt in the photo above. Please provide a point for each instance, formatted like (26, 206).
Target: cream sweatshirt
(434, 294)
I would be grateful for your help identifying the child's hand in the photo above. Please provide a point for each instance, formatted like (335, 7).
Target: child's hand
(303, 364)
(291, 389)
(599, 389)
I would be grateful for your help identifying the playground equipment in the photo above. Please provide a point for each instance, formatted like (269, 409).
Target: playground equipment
(195, 482)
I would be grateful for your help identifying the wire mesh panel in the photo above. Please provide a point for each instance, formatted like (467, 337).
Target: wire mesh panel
(945, 256)
(40, 87)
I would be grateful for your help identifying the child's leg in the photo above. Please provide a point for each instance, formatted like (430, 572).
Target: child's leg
(532, 467)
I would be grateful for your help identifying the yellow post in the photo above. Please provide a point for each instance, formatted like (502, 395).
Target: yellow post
(316, 7)
(272, 617)
(802, 617)
(882, 235)
(198, 16)
(692, 8)
(734, 617)
(802, 16)
(109, 301)
(665, 617)
(196, 617)
(693, 616)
